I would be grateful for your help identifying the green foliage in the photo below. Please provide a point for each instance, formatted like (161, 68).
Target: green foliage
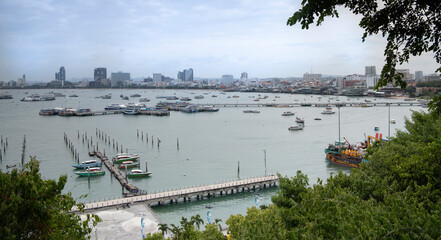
(33, 208)
(395, 195)
(411, 27)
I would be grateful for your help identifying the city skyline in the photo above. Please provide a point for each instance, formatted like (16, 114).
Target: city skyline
(216, 38)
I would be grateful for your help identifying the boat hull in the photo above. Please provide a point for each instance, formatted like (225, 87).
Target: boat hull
(92, 174)
(138, 175)
(84, 166)
(129, 166)
(121, 160)
(343, 160)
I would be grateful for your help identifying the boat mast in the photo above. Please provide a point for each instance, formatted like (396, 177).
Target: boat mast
(338, 106)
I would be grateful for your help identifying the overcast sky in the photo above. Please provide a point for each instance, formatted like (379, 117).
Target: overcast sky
(213, 37)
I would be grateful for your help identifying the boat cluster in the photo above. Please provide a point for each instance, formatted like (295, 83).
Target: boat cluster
(125, 161)
(37, 97)
(130, 160)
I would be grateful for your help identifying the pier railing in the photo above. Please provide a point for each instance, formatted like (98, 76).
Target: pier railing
(187, 194)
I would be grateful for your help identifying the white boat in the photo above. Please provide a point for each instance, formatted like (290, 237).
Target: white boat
(288, 114)
(300, 120)
(328, 110)
(298, 126)
(132, 110)
(392, 121)
(144, 100)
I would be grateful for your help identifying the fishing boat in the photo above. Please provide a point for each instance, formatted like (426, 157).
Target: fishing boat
(5, 96)
(288, 114)
(123, 157)
(328, 110)
(95, 171)
(86, 164)
(137, 173)
(128, 164)
(343, 154)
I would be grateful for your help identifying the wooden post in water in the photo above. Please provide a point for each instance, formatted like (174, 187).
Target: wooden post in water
(147, 137)
(159, 141)
(177, 143)
(152, 140)
(142, 135)
(238, 169)
(146, 168)
(78, 132)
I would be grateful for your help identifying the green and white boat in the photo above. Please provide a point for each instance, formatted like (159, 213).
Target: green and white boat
(123, 157)
(95, 171)
(128, 164)
(137, 173)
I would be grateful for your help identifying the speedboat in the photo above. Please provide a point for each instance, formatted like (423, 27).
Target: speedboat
(328, 110)
(123, 157)
(86, 164)
(297, 126)
(288, 114)
(137, 173)
(95, 171)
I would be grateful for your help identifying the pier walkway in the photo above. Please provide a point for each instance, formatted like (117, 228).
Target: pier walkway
(314, 104)
(115, 172)
(187, 194)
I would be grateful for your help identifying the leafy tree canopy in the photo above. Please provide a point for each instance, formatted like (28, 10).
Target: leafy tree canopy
(33, 208)
(411, 27)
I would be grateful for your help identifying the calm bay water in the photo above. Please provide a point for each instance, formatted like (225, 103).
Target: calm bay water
(211, 144)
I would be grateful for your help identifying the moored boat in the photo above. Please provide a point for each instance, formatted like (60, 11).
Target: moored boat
(86, 164)
(95, 171)
(342, 154)
(288, 114)
(128, 164)
(300, 120)
(137, 173)
(123, 157)
(328, 110)
(297, 126)
(47, 112)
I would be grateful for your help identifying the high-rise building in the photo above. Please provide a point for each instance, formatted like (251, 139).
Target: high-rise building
(99, 74)
(181, 76)
(244, 76)
(188, 75)
(419, 75)
(370, 71)
(61, 75)
(118, 78)
(227, 79)
(312, 77)
(157, 78)
(405, 73)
